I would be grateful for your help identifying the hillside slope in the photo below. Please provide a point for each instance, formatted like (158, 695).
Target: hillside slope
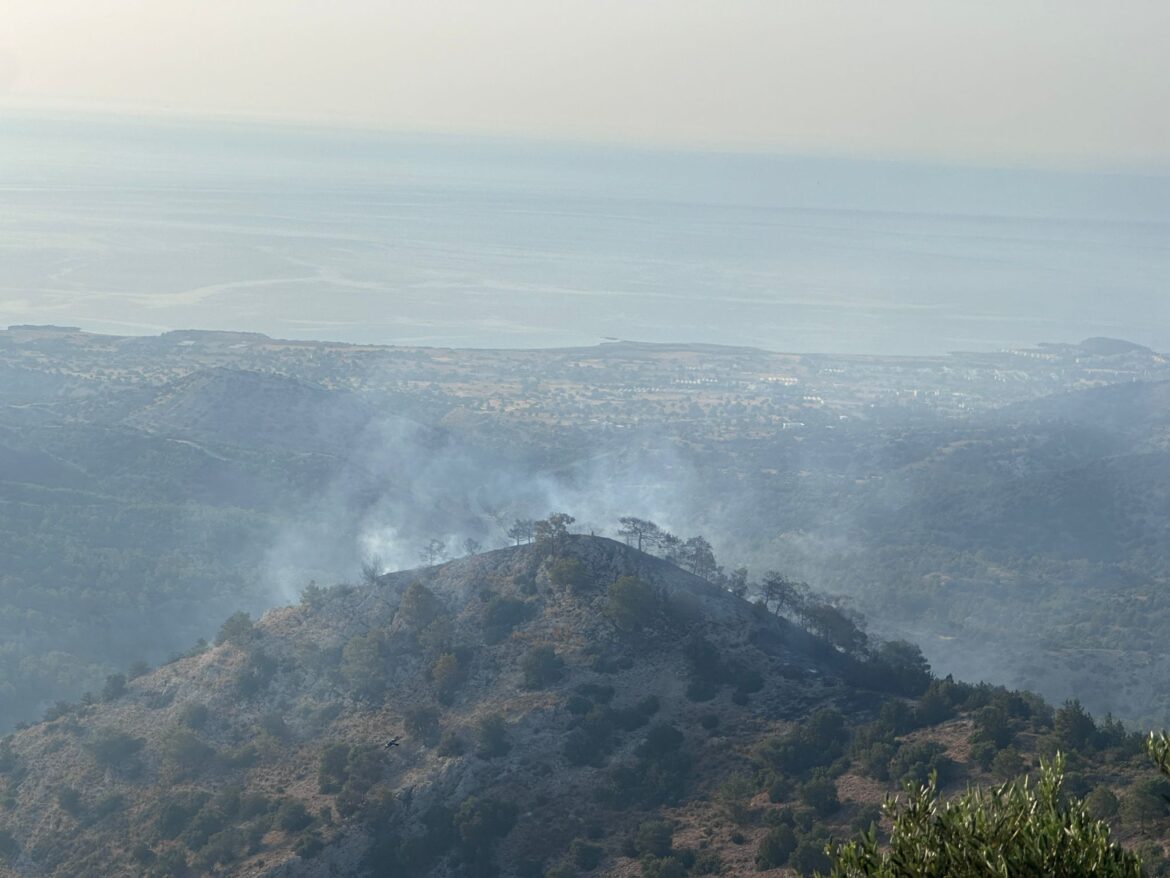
(544, 701)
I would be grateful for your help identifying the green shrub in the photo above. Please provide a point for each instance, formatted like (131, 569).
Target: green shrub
(502, 615)
(659, 775)
(585, 855)
(596, 692)
(665, 867)
(207, 822)
(1101, 803)
(293, 816)
(570, 573)
(451, 744)
(735, 795)
(874, 760)
(222, 849)
(177, 811)
(419, 607)
(364, 664)
(810, 858)
(587, 745)
(632, 603)
(628, 719)
(333, 770)
(244, 756)
(707, 863)
(171, 863)
(308, 847)
(480, 824)
(422, 724)
(1074, 728)
(237, 629)
(654, 838)
(1007, 764)
(867, 817)
(779, 790)
(114, 688)
(661, 740)
(107, 805)
(256, 675)
(701, 690)
(193, 715)
(816, 742)
(272, 723)
(775, 848)
(820, 794)
(992, 724)
(913, 763)
(183, 754)
(448, 674)
(69, 800)
(542, 667)
(492, 733)
(111, 747)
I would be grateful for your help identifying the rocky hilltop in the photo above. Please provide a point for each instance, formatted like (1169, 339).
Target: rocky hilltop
(568, 707)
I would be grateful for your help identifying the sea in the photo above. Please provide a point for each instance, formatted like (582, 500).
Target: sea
(138, 225)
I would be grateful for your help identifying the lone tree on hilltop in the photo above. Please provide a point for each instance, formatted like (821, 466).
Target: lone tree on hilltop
(372, 568)
(433, 552)
(639, 532)
(521, 530)
(553, 529)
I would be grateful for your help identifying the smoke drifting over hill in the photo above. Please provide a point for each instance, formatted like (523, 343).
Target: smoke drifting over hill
(404, 485)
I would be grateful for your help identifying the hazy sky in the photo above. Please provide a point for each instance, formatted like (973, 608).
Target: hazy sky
(1059, 82)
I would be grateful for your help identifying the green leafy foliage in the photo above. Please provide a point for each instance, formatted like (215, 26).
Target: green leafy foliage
(816, 742)
(584, 855)
(570, 573)
(541, 667)
(631, 603)
(113, 747)
(364, 661)
(502, 615)
(820, 794)
(492, 733)
(481, 823)
(422, 723)
(183, 754)
(775, 848)
(237, 630)
(419, 607)
(448, 672)
(1016, 829)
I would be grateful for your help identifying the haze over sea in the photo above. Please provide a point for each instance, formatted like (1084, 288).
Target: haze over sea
(133, 225)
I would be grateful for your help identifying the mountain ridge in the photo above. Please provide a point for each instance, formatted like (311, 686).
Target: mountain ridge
(265, 687)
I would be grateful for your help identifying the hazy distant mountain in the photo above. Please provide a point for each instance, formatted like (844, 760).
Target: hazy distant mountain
(253, 410)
